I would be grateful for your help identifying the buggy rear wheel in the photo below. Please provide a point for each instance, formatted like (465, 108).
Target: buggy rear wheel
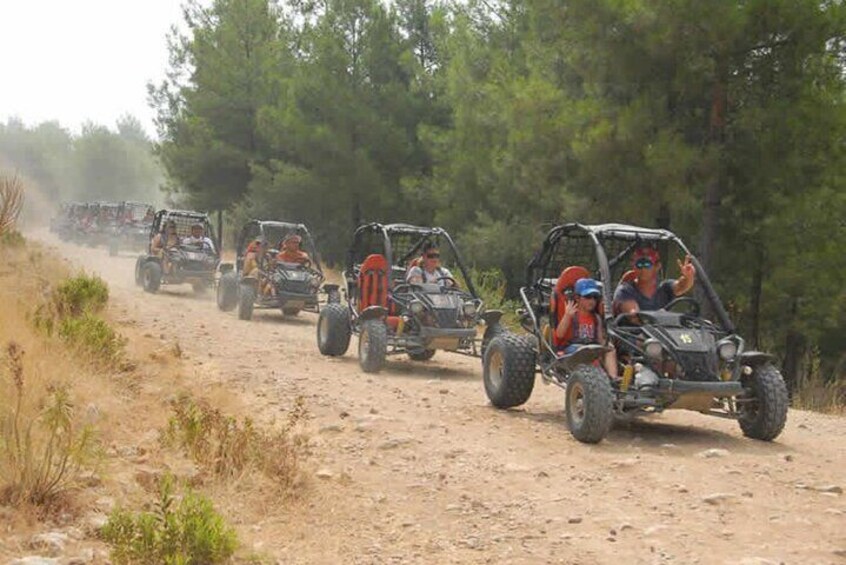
(765, 416)
(589, 404)
(423, 355)
(246, 301)
(372, 345)
(152, 276)
(227, 292)
(509, 370)
(492, 331)
(333, 330)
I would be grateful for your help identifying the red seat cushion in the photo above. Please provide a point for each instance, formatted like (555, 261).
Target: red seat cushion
(373, 282)
(558, 300)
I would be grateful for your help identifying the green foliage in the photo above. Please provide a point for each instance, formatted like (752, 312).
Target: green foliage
(42, 450)
(93, 336)
(81, 294)
(227, 448)
(12, 239)
(180, 531)
(98, 163)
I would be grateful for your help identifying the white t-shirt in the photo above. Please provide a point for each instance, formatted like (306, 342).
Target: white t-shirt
(202, 240)
(430, 278)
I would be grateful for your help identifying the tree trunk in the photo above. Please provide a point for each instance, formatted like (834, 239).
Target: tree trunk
(755, 297)
(795, 345)
(220, 231)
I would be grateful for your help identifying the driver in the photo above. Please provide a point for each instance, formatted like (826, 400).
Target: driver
(645, 292)
(430, 269)
(198, 237)
(290, 251)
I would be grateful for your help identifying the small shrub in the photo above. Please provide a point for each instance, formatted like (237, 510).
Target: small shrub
(185, 531)
(12, 239)
(93, 336)
(41, 454)
(225, 447)
(490, 286)
(81, 294)
(11, 201)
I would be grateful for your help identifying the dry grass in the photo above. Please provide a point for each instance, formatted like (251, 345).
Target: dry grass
(815, 393)
(228, 448)
(11, 202)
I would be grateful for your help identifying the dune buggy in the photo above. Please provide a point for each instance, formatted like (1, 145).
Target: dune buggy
(392, 316)
(178, 263)
(84, 223)
(132, 227)
(275, 283)
(673, 358)
(104, 223)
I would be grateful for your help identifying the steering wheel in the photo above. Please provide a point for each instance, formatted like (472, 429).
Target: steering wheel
(407, 287)
(696, 307)
(454, 283)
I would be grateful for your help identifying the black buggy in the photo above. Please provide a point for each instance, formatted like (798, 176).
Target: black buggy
(194, 264)
(132, 229)
(392, 316)
(105, 223)
(675, 358)
(290, 287)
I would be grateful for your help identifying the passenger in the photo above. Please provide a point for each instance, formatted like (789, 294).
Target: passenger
(198, 238)
(167, 239)
(645, 292)
(290, 251)
(581, 324)
(431, 270)
(254, 258)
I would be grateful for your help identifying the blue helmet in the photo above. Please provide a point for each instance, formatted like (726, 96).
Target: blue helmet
(587, 287)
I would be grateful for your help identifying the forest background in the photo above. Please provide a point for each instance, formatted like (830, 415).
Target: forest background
(724, 121)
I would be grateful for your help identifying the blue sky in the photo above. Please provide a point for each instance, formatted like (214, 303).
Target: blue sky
(78, 60)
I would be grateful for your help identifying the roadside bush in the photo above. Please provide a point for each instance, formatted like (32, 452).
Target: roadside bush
(41, 448)
(491, 287)
(81, 294)
(225, 447)
(93, 336)
(183, 531)
(11, 202)
(12, 239)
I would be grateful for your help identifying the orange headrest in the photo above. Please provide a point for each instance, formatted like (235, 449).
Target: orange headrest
(629, 277)
(374, 262)
(569, 276)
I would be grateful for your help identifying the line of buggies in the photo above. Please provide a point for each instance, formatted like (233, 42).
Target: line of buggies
(686, 354)
(114, 225)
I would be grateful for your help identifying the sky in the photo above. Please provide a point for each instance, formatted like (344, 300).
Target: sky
(82, 60)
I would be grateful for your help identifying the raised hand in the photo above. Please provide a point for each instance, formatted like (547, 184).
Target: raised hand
(688, 271)
(570, 309)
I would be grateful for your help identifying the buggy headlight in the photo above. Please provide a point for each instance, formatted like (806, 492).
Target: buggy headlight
(727, 350)
(653, 348)
(416, 307)
(470, 309)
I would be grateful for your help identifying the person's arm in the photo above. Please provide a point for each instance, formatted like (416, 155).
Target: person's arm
(415, 276)
(686, 279)
(600, 331)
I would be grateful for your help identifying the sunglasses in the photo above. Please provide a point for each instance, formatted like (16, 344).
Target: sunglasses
(433, 256)
(644, 263)
(591, 297)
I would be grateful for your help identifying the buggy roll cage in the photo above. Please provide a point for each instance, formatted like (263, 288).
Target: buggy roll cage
(597, 234)
(388, 230)
(260, 225)
(193, 217)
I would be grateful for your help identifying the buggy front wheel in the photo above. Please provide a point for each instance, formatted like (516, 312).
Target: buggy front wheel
(764, 415)
(246, 301)
(372, 345)
(333, 330)
(589, 404)
(152, 277)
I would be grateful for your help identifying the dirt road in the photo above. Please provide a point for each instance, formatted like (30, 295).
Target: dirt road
(416, 467)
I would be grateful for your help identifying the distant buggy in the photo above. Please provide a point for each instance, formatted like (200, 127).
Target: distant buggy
(289, 287)
(132, 228)
(391, 316)
(179, 263)
(674, 358)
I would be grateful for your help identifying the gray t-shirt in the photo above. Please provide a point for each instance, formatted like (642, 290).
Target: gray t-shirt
(431, 278)
(663, 295)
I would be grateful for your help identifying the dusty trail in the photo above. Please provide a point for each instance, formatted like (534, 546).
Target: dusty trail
(419, 468)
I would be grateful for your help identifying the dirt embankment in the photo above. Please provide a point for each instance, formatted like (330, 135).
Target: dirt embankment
(413, 465)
